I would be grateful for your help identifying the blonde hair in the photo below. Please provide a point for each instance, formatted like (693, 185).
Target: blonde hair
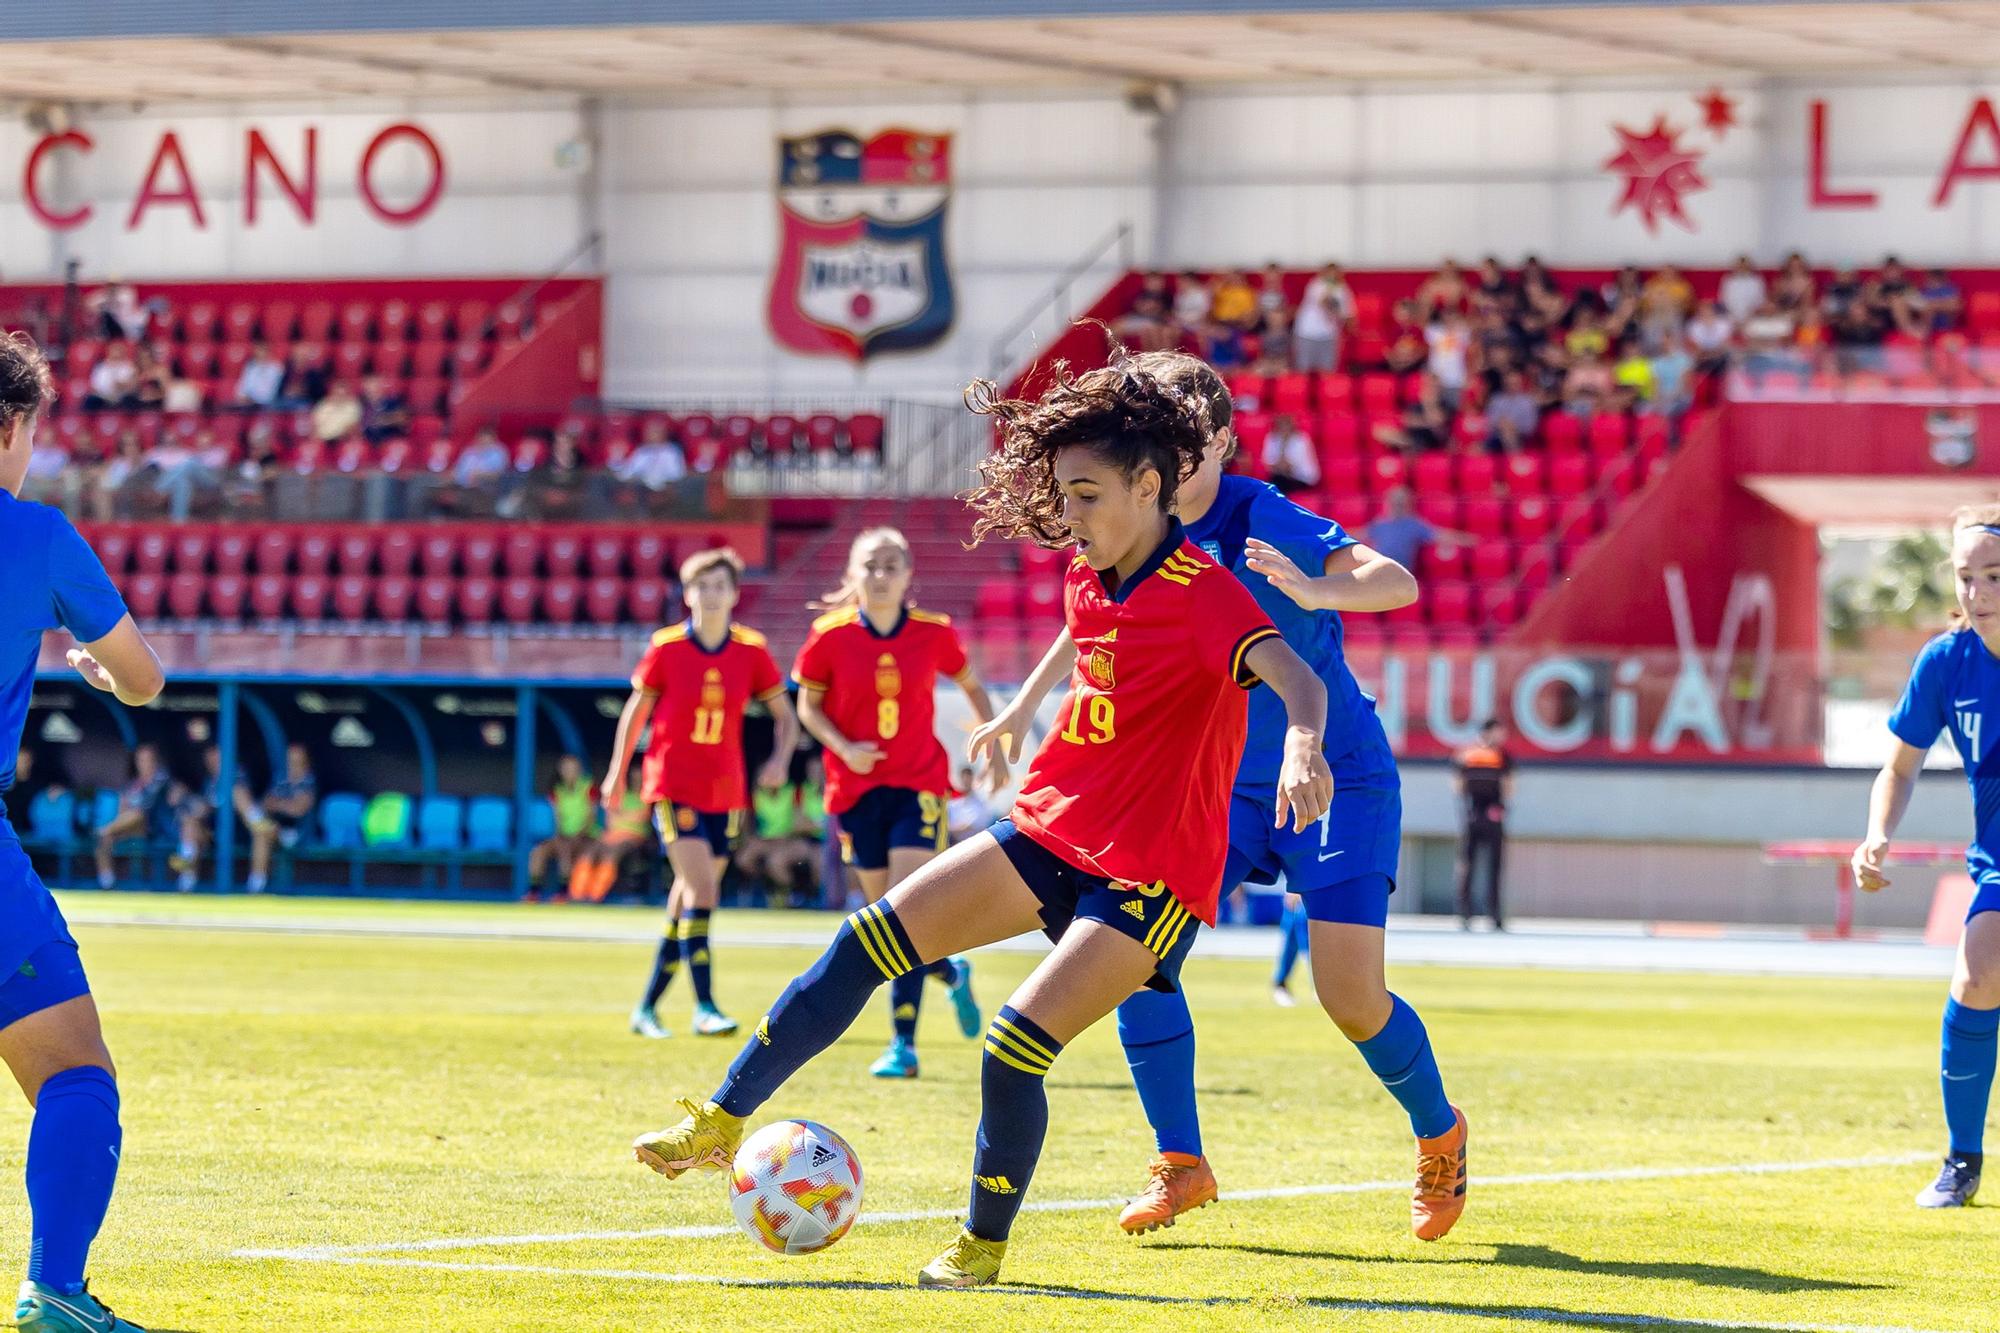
(849, 592)
(720, 557)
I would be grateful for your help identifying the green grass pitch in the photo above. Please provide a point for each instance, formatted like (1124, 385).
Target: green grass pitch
(309, 1092)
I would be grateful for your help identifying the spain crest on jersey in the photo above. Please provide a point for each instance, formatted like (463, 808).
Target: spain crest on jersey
(1101, 669)
(861, 254)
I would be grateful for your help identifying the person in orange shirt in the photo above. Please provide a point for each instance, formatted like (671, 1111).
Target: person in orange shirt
(1485, 784)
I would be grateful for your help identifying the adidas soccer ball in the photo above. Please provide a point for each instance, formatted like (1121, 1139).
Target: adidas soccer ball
(795, 1187)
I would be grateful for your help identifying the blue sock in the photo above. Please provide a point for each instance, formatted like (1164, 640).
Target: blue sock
(870, 948)
(1966, 1074)
(906, 997)
(1158, 1034)
(72, 1165)
(944, 969)
(1400, 1055)
(695, 952)
(1013, 1120)
(1292, 944)
(665, 963)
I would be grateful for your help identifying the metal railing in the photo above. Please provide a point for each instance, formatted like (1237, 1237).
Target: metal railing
(1050, 314)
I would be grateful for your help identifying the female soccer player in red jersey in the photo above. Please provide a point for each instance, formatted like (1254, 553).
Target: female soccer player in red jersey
(693, 686)
(1116, 844)
(868, 690)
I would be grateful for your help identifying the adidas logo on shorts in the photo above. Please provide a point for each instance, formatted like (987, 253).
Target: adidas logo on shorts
(1133, 909)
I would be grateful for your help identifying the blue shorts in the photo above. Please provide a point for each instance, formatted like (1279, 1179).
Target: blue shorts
(1149, 913)
(29, 917)
(719, 831)
(51, 975)
(890, 817)
(1343, 866)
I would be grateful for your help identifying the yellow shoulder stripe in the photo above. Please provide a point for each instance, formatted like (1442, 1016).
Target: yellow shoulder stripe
(835, 619)
(930, 617)
(744, 634)
(671, 634)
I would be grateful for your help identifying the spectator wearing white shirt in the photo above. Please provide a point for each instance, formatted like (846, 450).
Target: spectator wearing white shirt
(113, 379)
(262, 379)
(1742, 291)
(484, 461)
(1449, 339)
(1289, 457)
(1709, 334)
(1323, 312)
(656, 463)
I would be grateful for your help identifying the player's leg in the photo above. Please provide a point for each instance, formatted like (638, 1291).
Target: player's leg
(1292, 936)
(1496, 852)
(263, 841)
(928, 835)
(1463, 872)
(52, 1043)
(539, 857)
(1095, 966)
(970, 896)
(125, 824)
(667, 957)
(1966, 1061)
(702, 874)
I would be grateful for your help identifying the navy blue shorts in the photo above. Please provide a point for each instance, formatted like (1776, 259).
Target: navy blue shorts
(889, 817)
(52, 974)
(1149, 913)
(719, 831)
(1343, 866)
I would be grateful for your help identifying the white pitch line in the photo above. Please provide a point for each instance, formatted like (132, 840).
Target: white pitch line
(340, 1253)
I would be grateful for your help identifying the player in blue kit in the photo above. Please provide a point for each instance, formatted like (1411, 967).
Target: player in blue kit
(1343, 866)
(1953, 686)
(49, 1034)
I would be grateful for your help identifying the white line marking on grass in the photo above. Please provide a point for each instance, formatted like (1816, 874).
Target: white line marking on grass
(336, 1253)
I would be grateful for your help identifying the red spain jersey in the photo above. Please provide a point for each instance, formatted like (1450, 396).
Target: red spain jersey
(1134, 783)
(695, 756)
(883, 688)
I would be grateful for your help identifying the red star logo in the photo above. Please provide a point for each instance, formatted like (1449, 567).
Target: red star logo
(1657, 172)
(1718, 111)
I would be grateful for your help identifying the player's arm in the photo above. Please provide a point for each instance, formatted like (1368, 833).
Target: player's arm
(1355, 578)
(121, 663)
(1305, 783)
(860, 756)
(784, 741)
(982, 708)
(632, 720)
(1887, 802)
(1006, 735)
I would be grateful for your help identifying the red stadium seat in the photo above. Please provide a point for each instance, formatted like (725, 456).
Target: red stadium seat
(1341, 474)
(1387, 472)
(864, 433)
(267, 596)
(438, 556)
(1378, 394)
(397, 555)
(357, 322)
(606, 556)
(199, 320)
(471, 319)
(1569, 475)
(522, 555)
(184, 595)
(1350, 511)
(350, 360)
(476, 598)
(1608, 433)
(433, 322)
(1982, 310)
(1491, 561)
(646, 600)
(1524, 472)
(1252, 429)
(1248, 390)
(1444, 560)
(309, 595)
(389, 358)
(651, 554)
(232, 550)
(822, 432)
(562, 555)
(562, 601)
(279, 322)
(239, 321)
(1469, 431)
(1477, 472)
(1440, 510)
(1485, 517)
(479, 556)
(315, 551)
(1499, 604)
(393, 596)
(1292, 393)
(355, 552)
(780, 432)
(997, 599)
(392, 319)
(1577, 519)
(469, 357)
(1534, 518)
(1652, 436)
(192, 550)
(143, 594)
(1335, 390)
(1448, 603)
(430, 358)
(226, 595)
(1562, 433)
(114, 548)
(604, 601)
(435, 598)
(351, 596)
(1432, 474)
(520, 599)
(152, 549)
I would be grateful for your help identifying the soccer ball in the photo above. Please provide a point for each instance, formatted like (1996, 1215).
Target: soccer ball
(795, 1187)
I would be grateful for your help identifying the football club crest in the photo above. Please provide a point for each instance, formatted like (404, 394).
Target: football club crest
(1101, 669)
(861, 259)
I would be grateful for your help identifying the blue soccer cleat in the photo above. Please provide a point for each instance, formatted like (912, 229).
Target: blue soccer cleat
(970, 1021)
(43, 1309)
(1956, 1183)
(899, 1061)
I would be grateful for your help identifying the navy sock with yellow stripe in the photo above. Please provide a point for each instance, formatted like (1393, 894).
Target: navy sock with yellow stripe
(1013, 1120)
(665, 963)
(695, 952)
(871, 947)
(906, 999)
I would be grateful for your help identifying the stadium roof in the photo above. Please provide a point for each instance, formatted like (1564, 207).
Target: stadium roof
(262, 50)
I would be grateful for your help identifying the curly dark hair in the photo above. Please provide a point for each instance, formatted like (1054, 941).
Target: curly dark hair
(1132, 420)
(1195, 380)
(26, 386)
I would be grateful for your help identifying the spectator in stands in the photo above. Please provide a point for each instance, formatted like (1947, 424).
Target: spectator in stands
(121, 470)
(142, 806)
(384, 414)
(178, 392)
(113, 378)
(1767, 339)
(49, 477)
(1485, 784)
(1443, 290)
(1399, 534)
(573, 799)
(1812, 336)
(262, 378)
(1149, 325)
(1324, 312)
(1673, 378)
(120, 313)
(1894, 280)
(1271, 295)
(1633, 371)
(31, 783)
(1943, 302)
(1587, 335)
(1796, 287)
(1407, 348)
(1858, 334)
(195, 814)
(1448, 343)
(305, 378)
(628, 832)
(1494, 284)
(337, 415)
(1743, 290)
(657, 463)
(1425, 422)
(1234, 302)
(149, 379)
(1513, 415)
(279, 820)
(560, 487)
(1194, 304)
(1289, 457)
(258, 466)
(1587, 385)
(1664, 304)
(969, 813)
(180, 473)
(484, 461)
(1274, 344)
(1709, 335)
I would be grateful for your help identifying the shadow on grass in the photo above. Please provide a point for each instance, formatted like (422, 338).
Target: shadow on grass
(1126, 1086)
(1654, 1323)
(1555, 1261)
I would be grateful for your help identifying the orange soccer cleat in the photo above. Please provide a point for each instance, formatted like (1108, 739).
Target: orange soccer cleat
(1440, 1194)
(1176, 1184)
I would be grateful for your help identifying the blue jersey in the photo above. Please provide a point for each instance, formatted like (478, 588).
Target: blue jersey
(49, 579)
(1953, 686)
(1356, 746)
